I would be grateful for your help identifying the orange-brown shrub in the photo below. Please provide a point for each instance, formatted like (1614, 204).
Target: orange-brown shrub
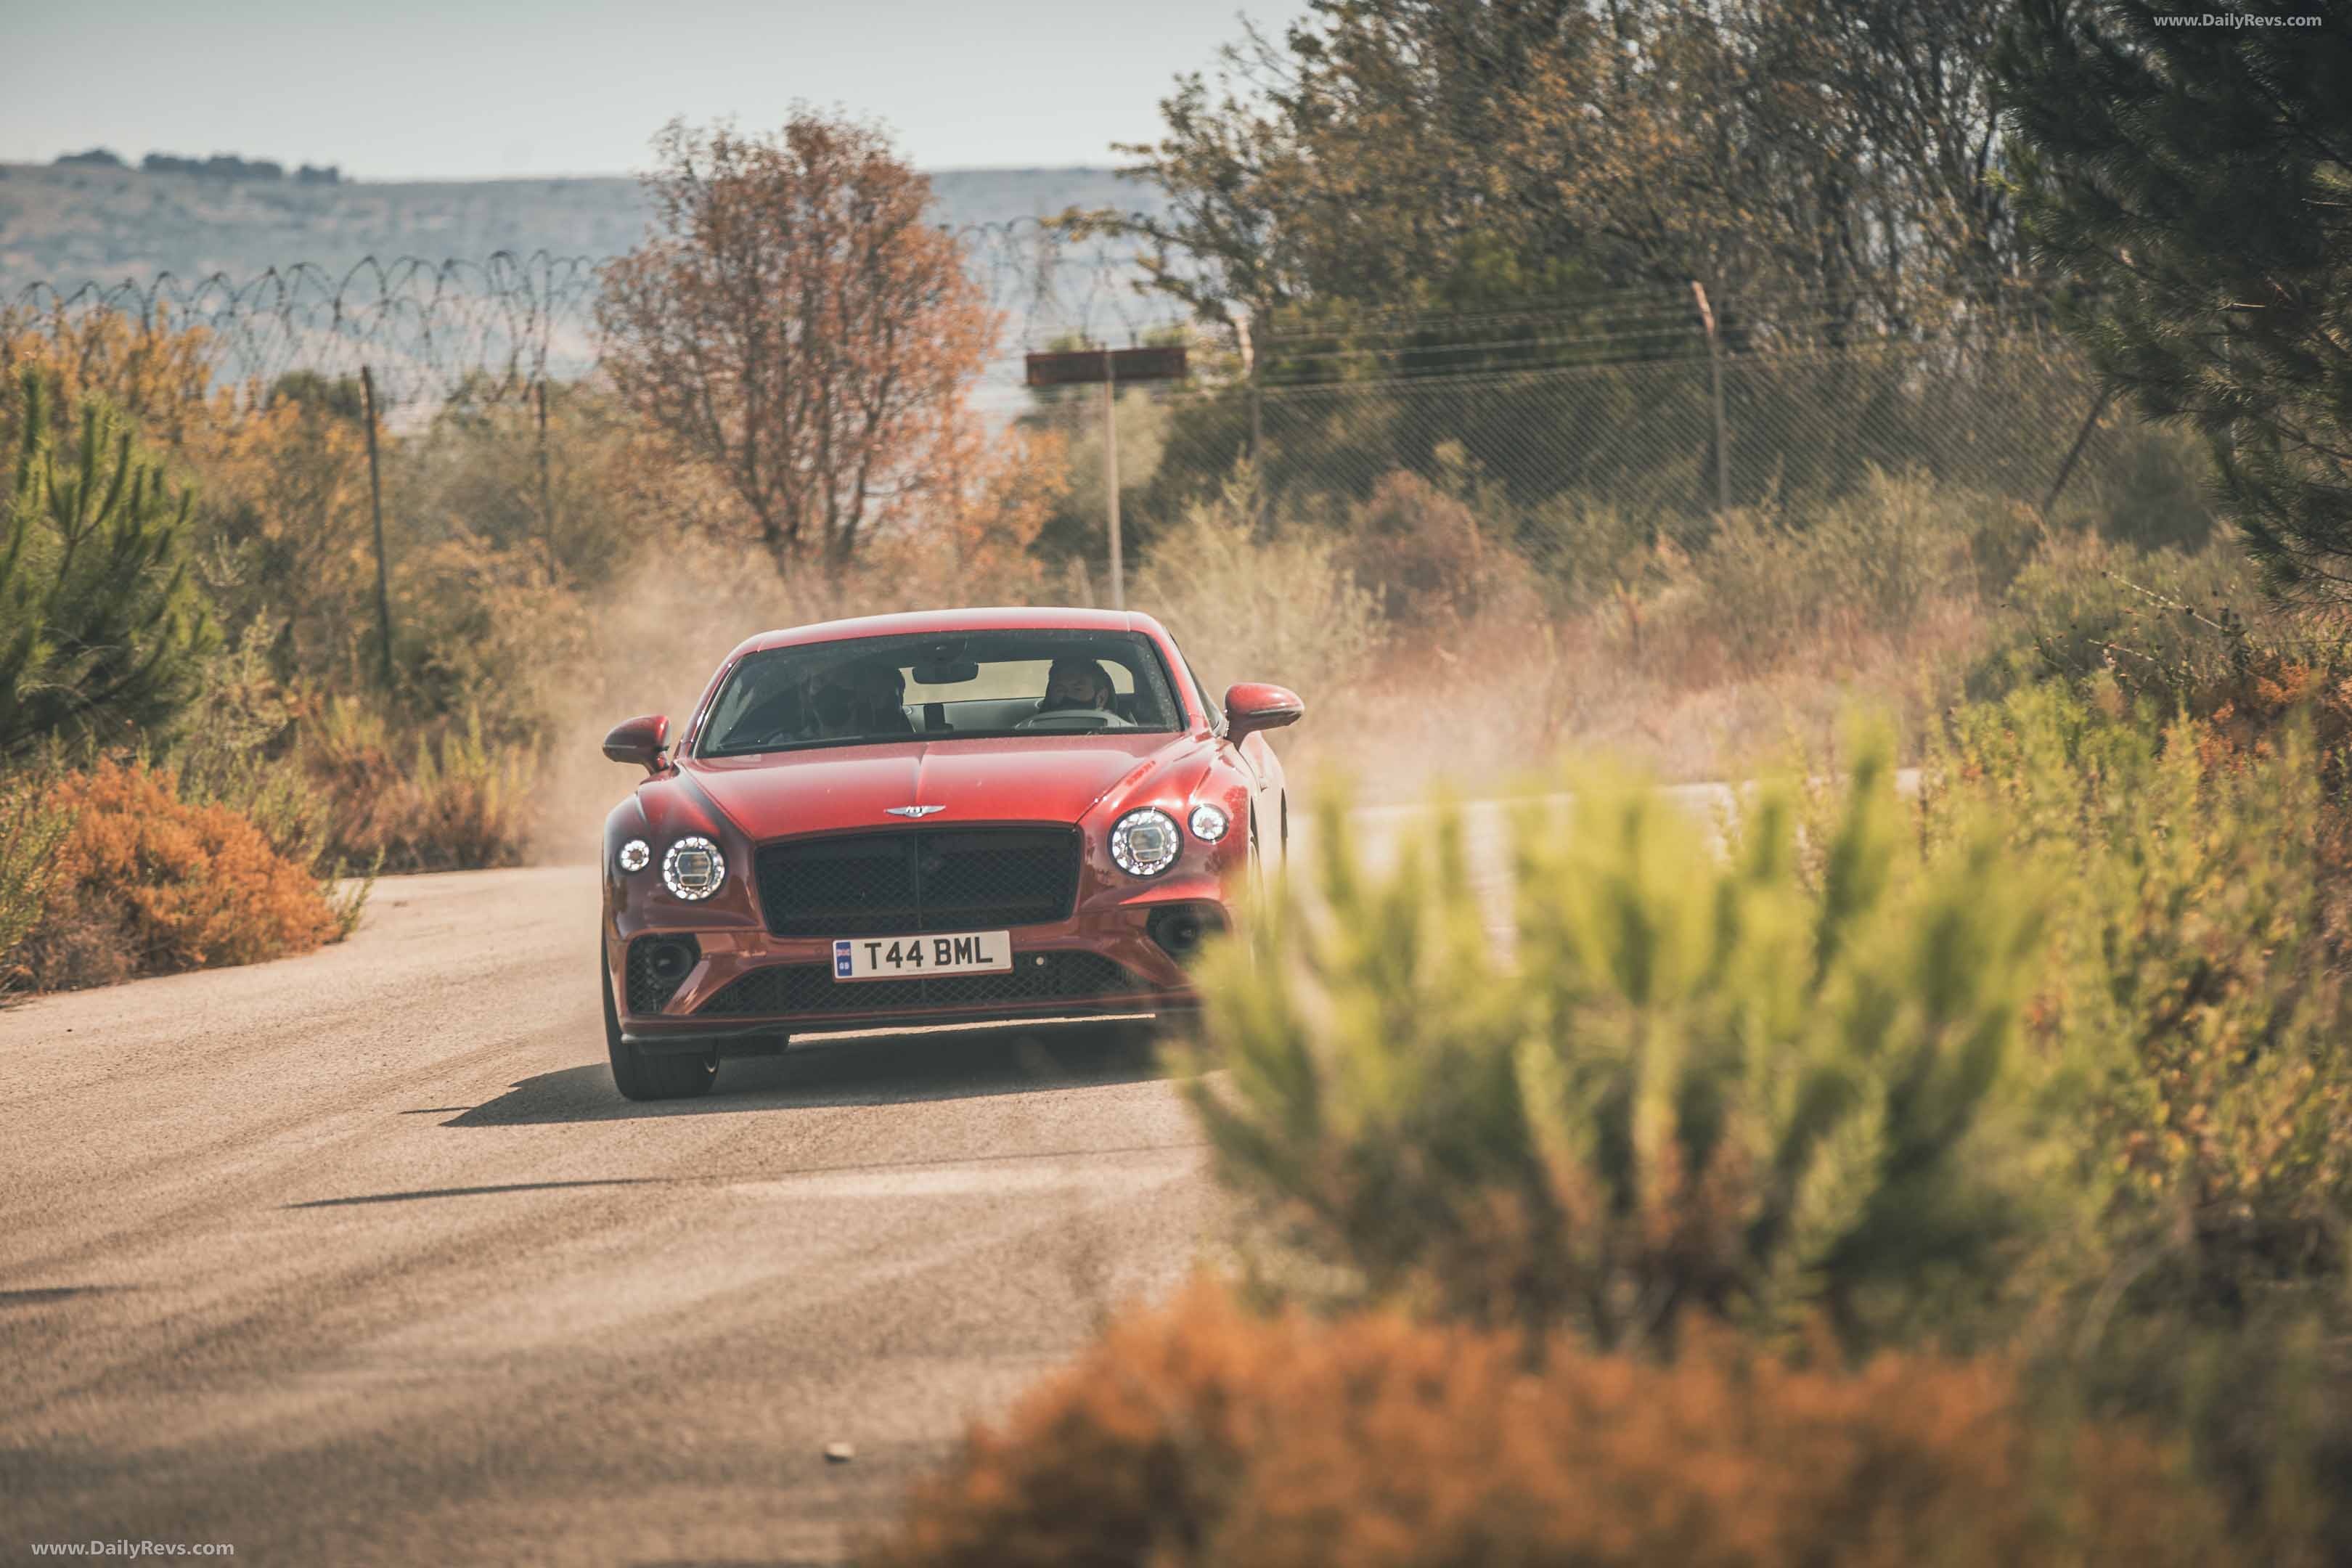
(1201, 1434)
(1419, 553)
(149, 884)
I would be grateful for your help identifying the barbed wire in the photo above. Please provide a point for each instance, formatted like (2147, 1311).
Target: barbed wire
(431, 329)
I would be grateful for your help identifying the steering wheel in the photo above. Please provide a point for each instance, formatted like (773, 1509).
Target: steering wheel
(1075, 719)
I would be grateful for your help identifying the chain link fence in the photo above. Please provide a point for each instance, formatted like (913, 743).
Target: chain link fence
(1541, 418)
(1660, 445)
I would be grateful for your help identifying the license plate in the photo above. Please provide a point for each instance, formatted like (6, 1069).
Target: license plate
(903, 957)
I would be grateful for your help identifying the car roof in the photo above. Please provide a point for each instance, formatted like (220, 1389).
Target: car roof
(1028, 617)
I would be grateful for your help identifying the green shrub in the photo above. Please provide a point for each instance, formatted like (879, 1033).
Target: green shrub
(101, 627)
(2189, 969)
(1700, 1085)
(2150, 492)
(2163, 622)
(238, 746)
(1200, 1434)
(2264, 1406)
(1589, 548)
(1768, 586)
(2183, 634)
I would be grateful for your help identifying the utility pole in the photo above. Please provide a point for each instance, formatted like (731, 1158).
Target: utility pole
(375, 510)
(1110, 479)
(1714, 375)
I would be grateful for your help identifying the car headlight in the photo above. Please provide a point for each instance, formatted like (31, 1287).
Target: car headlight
(693, 868)
(636, 854)
(1209, 822)
(1145, 842)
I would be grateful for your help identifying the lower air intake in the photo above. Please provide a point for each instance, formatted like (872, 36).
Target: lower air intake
(658, 965)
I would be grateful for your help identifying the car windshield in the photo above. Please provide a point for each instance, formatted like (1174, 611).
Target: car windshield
(863, 690)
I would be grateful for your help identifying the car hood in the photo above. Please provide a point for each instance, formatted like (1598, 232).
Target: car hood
(1029, 779)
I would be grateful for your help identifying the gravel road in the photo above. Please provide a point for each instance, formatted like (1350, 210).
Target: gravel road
(358, 1258)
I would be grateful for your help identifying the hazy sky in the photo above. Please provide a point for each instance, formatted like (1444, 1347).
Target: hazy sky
(438, 89)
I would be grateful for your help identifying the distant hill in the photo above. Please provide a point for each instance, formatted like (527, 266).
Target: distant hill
(73, 224)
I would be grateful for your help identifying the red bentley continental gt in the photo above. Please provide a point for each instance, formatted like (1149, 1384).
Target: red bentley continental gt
(920, 819)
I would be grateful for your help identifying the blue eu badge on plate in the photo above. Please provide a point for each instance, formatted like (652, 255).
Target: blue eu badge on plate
(840, 960)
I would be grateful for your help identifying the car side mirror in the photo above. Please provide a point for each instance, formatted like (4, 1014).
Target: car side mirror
(640, 739)
(1253, 706)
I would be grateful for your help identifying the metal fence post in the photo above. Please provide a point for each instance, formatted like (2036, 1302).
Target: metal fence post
(546, 505)
(1110, 479)
(375, 512)
(1714, 375)
(2082, 439)
(1252, 344)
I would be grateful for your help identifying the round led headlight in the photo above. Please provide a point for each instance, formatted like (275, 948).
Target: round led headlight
(636, 854)
(693, 868)
(1209, 824)
(1145, 842)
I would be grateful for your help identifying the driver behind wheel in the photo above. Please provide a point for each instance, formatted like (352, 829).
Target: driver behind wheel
(882, 693)
(1076, 683)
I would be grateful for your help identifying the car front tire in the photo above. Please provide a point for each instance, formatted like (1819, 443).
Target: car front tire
(637, 1074)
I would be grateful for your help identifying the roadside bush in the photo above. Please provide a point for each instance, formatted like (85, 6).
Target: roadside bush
(1282, 610)
(237, 745)
(1202, 1434)
(460, 803)
(1590, 549)
(2190, 970)
(2186, 634)
(149, 884)
(1701, 1086)
(1418, 552)
(2263, 1406)
(33, 827)
(1767, 586)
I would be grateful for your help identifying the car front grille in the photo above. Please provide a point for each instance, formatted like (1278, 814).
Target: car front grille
(780, 990)
(918, 879)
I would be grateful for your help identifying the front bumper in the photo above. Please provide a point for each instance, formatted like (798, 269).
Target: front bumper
(1121, 971)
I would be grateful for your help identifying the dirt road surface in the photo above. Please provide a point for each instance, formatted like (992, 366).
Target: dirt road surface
(358, 1258)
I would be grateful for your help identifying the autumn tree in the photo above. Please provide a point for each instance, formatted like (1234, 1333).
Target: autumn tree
(794, 321)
